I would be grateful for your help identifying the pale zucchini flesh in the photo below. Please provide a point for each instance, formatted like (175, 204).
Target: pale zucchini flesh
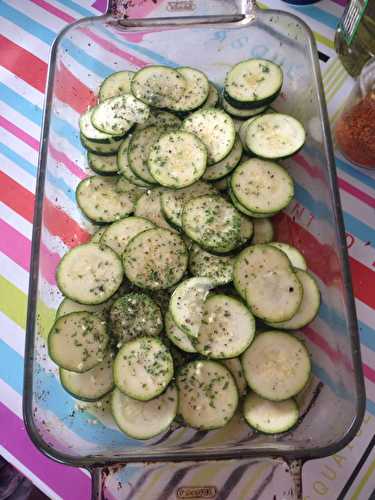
(89, 131)
(225, 166)
(115, 84)
(179, 338)
(196, 90)
(241, 112)
(118, 234)
(139, 150)
(270, 417)
(213, 97)
(235, 367)
(117, 115)
(149, 207)
(124, 168)
(103, 165)
(218, 268)
(108, 148)
(294, 255)
(162, 119)
(263, 231)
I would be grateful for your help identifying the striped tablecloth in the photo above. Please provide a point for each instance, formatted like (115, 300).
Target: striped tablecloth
(27, 29)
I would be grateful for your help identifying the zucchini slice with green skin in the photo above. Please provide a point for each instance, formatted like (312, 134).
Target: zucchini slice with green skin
(134, 315)
(262, 186)
(275, 135)
(241, 112)
(227, 328)
(218, 268)
(68, 306)
(263, 231)
(277, 365)
(158, 86)
(242, 132)
(108, 148)
(213, 223)
(117, 115)
(149, 207)
(115, 84)
(187, 304)
(224, 167)
(215, 129)
(144, 419)
(143, 368)
(162, 119)
(221, 184)
(246, 229)
(89, 273)
(294, 255)
(139, 150)
(95, 238)
(213, 97)
(235, 367)
(309, 307)
(118, 234)
(155, 259)
(90, 132)
(272, 289)
(134, 192)
(124, 168)
(270, 417)
(253, 83)
(78, 341)
(102, 165)
(208, 395)
(243, 209)
(178, 336)
(177, 159)
(101, 201)
(196, 90)
(172, 202)
(91, 385)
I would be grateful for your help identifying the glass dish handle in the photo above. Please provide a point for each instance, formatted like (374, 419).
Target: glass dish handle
(251, 478)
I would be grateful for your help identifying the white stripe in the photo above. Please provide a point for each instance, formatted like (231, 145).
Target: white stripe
(355, 207)
(20, 147)
(14, 273)
(66, 9)
(21, 87)
(19, 175)
(365, 314)
(12, 334)
(15, 220)
(24, 39)
(332, 8)
(21, 121)
(39, 15)
(367, 491)
(30, 475)
(355, 182)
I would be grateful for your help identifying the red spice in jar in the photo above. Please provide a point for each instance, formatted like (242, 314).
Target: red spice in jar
(355, 132)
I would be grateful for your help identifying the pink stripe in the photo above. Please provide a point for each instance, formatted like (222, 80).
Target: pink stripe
(369, 372)
(341, 2)
(13, 129)
(18, 249)
(67, 482)
(54, 10)
(62, 158)
(357, 193)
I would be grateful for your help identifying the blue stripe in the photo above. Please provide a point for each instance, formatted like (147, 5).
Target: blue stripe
(20, 104)
(318, 14)
(355, 172)
(77, 8)
(86, 60)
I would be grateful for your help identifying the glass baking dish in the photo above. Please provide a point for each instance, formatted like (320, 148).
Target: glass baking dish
(212, 36)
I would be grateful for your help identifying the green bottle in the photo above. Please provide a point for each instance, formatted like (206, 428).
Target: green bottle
(355, 35)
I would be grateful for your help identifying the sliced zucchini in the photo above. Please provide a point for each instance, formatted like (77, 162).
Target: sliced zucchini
(134, 192)
(139, 150)
(212, 222)
(78, 341)
(294, 255)
(144, 419)
(172, 202)
(90, 132)
(253, 83)
(196, 90)
(162, 119)
(101, 148)
(117, 115)
(178, 336)
(155, 259)
(149, 207)
(213, 97)
(235, 367)
(218, 268)
(275, 135)
(225, 166)
(208, 395)
(124, 168)
(243, 132)
(263, 231)
(68, 306)
(272, 288)
(227, 328)
(158, 86)
(276, 365)
(103, 165)
(118, 234)
(143, 368)
(270, 417)
(246, 229)
(115, 84)
(95, 238)
(89, 273)
(177, 159)
(262, 186)
(309, 306)
(241, 208)
(101, 201)
(221, 184)
(187, 304)
(133, 315)
(91, 385)
(215, 129)
(241, 112)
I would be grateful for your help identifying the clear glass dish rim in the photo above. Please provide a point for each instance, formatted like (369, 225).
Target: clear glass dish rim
(145, 455)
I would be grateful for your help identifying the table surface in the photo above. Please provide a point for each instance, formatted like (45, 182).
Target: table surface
(27, 29)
